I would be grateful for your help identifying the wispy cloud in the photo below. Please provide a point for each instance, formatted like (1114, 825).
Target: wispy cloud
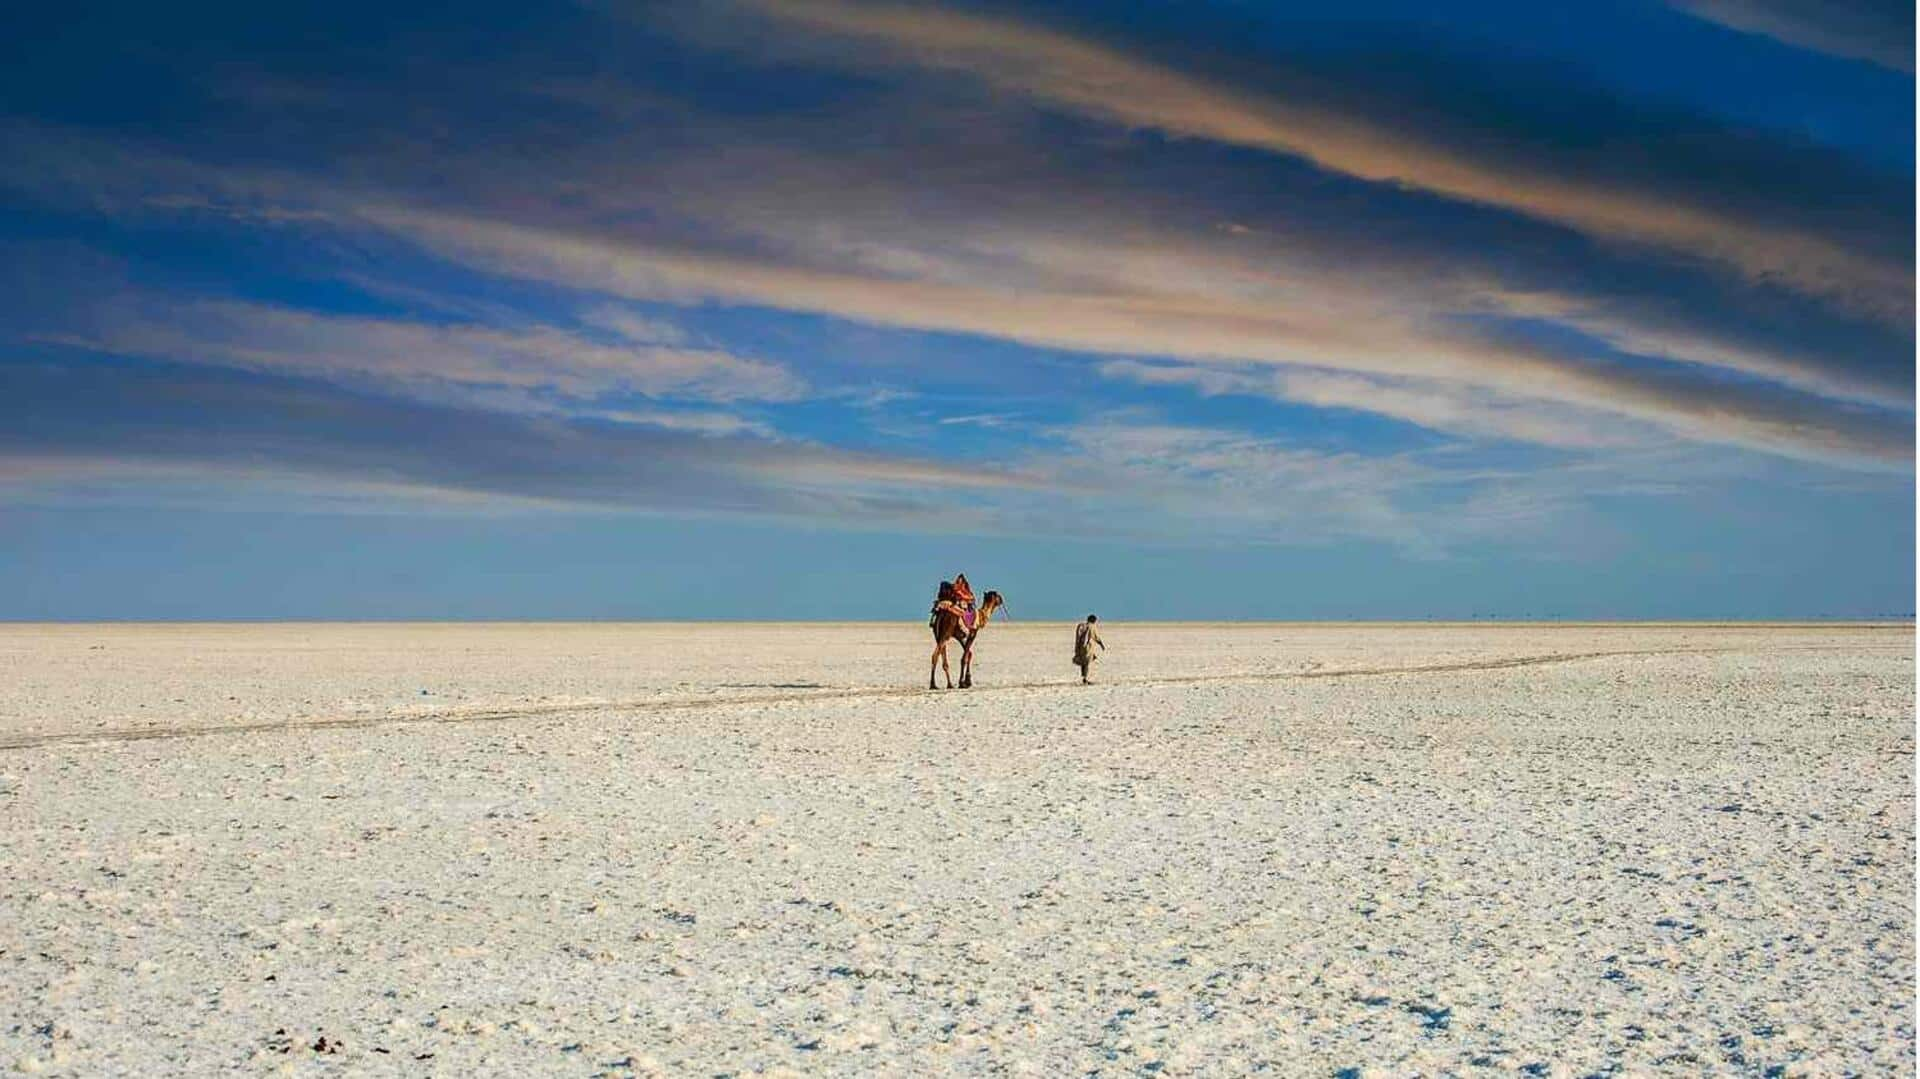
(1242, 485)
(430, 357)
(1568, 296)
(1235, 487)
(1346, 332)
(1149, 479)
(1430, 403)
(1389, 141)
(1880, 31)
(978, 419)
(58, 422)
(698, 422)
(1154, 252)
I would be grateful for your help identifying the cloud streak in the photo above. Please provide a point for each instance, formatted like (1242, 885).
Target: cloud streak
(58, 420)
(1006, 256)
(1341, 333)
(1064, 221)
(1433, 404)
(537, 367)
(1384, 141)
(1873, 30)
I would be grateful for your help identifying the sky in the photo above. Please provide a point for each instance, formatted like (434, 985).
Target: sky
(792, 308)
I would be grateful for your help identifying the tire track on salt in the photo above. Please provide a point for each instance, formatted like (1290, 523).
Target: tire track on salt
(149, 734)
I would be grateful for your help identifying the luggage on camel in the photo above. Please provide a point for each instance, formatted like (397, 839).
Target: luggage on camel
(941, 597)
(956, 596)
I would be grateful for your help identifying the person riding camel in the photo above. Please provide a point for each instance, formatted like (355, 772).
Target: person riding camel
(956, 596)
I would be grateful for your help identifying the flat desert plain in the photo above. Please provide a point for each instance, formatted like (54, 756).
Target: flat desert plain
(747, 849)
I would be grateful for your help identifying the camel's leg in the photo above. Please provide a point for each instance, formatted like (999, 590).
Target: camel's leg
(939, 663)
(966, 663)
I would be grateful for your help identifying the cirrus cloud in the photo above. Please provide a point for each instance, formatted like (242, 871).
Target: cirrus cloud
(1393, 140)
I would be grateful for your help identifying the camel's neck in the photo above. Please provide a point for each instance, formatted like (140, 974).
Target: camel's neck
(980, 619)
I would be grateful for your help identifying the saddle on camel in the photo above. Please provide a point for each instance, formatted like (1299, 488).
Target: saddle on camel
(955, 596)
(955, 617)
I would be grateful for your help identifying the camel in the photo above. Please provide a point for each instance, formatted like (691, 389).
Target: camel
(947, 627)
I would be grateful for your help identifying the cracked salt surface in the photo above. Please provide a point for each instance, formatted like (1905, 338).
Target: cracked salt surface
(1694, 859)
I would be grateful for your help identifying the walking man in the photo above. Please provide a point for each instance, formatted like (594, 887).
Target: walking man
(1085, 639)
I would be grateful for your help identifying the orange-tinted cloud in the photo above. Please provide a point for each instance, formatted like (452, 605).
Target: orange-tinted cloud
(1078, 74)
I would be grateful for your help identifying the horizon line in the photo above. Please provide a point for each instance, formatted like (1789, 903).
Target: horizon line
(1889, 621)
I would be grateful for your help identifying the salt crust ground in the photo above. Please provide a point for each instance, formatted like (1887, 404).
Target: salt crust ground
(758, 849)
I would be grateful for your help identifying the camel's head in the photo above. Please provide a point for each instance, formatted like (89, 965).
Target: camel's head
(992, 602)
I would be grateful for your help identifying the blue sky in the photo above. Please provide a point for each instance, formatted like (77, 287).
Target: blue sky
(793, 307)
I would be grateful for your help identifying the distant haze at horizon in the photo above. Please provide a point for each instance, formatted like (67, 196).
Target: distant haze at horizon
(222, 566)
(768, 309)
